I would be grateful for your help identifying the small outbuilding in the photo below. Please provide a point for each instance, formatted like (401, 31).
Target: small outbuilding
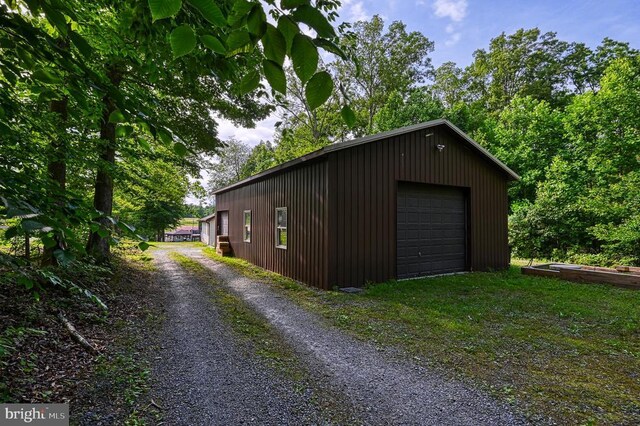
(208, 229)
(417, 201)
(183, 234)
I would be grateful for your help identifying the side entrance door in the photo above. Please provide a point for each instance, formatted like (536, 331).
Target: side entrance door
(224, 223)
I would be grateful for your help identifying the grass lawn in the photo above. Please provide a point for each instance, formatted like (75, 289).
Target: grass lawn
(189, 221)
(564, 351)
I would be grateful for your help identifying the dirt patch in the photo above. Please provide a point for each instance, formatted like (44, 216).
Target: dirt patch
(43, 364)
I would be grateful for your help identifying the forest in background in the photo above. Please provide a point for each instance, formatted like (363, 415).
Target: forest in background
(562, 115)
(107, 114)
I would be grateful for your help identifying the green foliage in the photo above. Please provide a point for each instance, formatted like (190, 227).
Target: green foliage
(304, 57)
(527, 136)
(311, 16)
(274, 74)
(586, 204)
(275, 45)
(161, 9)
(419, 106)
(348, 115)
(318, 89)
(262, 157)
(183, 40)
(214, 44)
(228, 165)
(210, 11)
(523, 63)
(384, 62)
(107, 98)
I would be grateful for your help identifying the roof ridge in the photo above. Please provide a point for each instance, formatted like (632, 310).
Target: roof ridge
(372, 138)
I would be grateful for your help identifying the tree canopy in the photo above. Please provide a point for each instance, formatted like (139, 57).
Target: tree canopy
(107, 107)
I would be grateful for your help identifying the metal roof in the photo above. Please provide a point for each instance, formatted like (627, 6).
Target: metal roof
(372, 138)
(207, 218)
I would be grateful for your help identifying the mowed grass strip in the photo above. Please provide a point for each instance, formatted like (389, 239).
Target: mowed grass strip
(566, 351)
(243, 320)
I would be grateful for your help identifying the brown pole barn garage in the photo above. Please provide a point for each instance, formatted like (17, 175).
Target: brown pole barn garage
(416, 201)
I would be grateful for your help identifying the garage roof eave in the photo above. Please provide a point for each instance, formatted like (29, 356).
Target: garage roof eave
(372, 138)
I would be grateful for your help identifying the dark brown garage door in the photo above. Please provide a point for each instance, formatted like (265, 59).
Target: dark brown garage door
(431, 230)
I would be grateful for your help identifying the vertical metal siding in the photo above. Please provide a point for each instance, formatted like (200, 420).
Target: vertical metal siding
(342, 208)
(363, 197)
(303, 190)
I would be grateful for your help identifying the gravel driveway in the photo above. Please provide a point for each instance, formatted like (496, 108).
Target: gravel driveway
(385, 389)
(202, 375)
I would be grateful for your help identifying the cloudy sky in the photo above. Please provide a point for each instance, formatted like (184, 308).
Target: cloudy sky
(459, 27)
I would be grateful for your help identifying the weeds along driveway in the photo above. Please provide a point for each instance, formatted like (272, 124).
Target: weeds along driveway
(203, 376)
(385, 389)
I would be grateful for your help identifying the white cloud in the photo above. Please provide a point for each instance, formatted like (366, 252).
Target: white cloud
(264, 130)
(456, 10)
(450, 28)
(455, 38)
(353, 11)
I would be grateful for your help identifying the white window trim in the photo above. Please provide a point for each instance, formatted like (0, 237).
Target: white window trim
(244, 226)
(282, 247)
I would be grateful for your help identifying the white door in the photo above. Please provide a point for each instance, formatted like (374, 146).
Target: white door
(224, 223)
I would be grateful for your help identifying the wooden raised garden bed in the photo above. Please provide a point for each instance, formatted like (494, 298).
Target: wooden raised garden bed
(620, 276)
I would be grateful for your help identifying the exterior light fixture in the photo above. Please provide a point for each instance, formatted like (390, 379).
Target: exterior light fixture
(440, 147)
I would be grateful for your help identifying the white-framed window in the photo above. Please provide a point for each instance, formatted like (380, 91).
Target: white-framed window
(246, 226)
(281, 227)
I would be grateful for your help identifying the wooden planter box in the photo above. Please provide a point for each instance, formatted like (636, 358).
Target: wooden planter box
(619, 277)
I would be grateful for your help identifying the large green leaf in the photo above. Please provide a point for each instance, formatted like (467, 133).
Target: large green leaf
(161, 9)
(304, 56)
(239, 10)
(124, 131)
(26, 58)
(249, 82)
(318, 89)
(183, 40)
(180, 149)
(348, 115)
(288, 29)
(290, 4)
(274, 45)
(55, 18)
(210, 11)
(82, 44)
(257, 21)
(238, 39)
(116, 117)
(31, 225)
(214, 44)
(46, 76)
(274, 74)
(165, 136)
(330, 46)
(315, 19)
(64, 257)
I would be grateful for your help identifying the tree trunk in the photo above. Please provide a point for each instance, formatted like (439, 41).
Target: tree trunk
(98, 246)
(57, 168)
(27, 246)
